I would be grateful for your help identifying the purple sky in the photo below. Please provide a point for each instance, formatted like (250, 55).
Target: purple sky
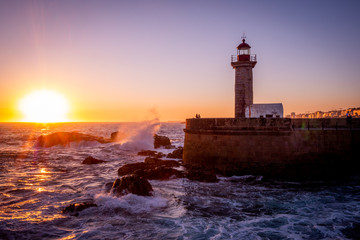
(117, 60)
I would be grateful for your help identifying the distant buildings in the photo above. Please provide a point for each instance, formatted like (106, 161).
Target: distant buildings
(355, 112)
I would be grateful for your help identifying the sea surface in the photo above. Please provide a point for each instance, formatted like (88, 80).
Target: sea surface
(36, 184)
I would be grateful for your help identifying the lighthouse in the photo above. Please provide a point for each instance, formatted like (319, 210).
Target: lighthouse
(243, 63)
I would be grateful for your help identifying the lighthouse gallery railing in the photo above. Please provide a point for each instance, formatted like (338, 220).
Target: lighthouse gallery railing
(253, 58)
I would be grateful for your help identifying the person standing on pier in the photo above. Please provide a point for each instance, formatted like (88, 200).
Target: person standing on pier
(348, 119)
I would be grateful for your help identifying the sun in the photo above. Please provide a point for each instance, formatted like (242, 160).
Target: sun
(44, 106)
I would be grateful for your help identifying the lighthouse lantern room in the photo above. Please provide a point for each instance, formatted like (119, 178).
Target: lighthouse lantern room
(243, 51)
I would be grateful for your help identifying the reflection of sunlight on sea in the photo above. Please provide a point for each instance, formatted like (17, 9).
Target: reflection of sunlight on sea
(28, 193)
(26, 210)
(71, 236)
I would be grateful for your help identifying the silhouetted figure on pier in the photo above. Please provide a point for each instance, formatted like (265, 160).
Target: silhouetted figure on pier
(348, 119)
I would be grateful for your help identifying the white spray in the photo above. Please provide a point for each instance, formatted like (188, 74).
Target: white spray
(139, 136)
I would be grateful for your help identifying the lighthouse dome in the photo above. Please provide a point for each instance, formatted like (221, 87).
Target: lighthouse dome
(243, 45)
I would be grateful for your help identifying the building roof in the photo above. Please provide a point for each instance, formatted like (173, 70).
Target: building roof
(243, 45)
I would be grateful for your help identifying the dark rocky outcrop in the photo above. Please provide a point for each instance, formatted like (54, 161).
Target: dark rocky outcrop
(161, 141)
(152, 169)
(159, 173)
(177, 153)
(158, 162)
(151, 153)
(75, 208)
(352, 232)
(91, 160)
(113, 136)
(134, 184)
(65, 138)
(201, 175)
(118, 136)
(107, 187)
(131, 168)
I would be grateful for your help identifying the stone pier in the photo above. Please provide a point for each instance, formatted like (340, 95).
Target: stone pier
(274, 147)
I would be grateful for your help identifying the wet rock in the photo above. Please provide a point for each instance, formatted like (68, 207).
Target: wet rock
(201, 175)
(150, 163)
(169, 147)
(151, 153)
(113, 136)
(161, 141)
(352, 232)
(131, 168)
(177, 153)
(75, 208)
(91, 160)
(65, 138)
(160, 173)
(107, 187)
(131, 184)
(152, 169)
(118, 136)
(155, 162)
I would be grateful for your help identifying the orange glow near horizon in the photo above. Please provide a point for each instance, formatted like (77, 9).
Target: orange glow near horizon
(115, 62)
(44, 106)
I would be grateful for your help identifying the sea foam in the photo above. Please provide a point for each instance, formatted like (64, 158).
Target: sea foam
(131, 203)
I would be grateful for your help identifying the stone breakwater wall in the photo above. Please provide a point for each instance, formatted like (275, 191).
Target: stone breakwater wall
(275, 147)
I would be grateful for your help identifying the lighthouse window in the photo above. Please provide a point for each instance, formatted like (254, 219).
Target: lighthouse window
(244, 52)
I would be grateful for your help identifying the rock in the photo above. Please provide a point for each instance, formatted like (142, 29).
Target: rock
(131, 184)
(118, 136)
(91, 160)
(352, 232)
(201, 175)
(152, 169)
(75, 208)
(160, 173)
(161, 141)
(169, 147)
(151, 153)
(159, 162)
(65, 138)
(113, 136)
(131, 168)
(150, 163)
(107, 187)
(177, 153)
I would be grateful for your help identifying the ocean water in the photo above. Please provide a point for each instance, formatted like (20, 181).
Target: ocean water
(36, 184)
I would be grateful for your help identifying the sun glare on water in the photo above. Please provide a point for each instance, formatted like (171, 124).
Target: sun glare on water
(44, 106)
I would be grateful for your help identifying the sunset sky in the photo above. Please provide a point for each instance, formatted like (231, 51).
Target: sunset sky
(136, 60)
